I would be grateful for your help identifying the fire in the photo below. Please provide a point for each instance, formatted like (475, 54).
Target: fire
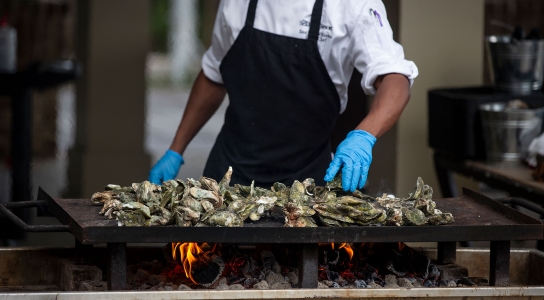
(186, 254)
(346, 247)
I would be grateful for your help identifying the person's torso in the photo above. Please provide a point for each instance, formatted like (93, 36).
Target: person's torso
(292, 18)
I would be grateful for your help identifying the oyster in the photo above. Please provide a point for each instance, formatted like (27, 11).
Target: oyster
(126, 196)
(192, 203)
(413, 216)
(336, 183)
(207, 205)
(169, 192)
(136, 208)
(99, 198)
(237, 206)
(440, 219)
(224, 218)
(203, 194)
(225, 182)
(332, 213)
(130, 218)
(148, 193)
(185, 216)
(110, 206)
(298, 193)
(309, 186)
(394, 217)
(294, 217)
(329, 222)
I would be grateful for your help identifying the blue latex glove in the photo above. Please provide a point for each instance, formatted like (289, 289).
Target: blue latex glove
(166, 168)
(355, 154)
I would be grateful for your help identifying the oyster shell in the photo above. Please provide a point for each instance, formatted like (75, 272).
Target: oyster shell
(100, 198)
(207, 205)
(130, 218)
(193, 204)
(332, 213)
(394, 217)
(136, 208)
(224, 218)
(329, 222)
(225, 182)
(440, 219)
(109, 207)
(298, 193)
(413, 216)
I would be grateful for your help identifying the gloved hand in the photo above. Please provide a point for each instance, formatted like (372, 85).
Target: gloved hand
(166, 168)
(355, 154)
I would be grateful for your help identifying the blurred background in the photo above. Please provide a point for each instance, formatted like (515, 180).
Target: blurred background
(138, 58)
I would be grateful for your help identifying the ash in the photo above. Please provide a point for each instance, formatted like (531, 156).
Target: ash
(372, 266)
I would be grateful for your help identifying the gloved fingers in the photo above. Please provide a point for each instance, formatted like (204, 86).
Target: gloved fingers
(154, 177)
(347, 172)
(355, 177)
(363, 177)
(334, 167)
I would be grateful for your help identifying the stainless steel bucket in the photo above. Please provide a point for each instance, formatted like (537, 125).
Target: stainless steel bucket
(516, 67)
(508, 132)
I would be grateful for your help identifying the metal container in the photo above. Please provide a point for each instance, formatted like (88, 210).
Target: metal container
(516, 66)
(508, 132)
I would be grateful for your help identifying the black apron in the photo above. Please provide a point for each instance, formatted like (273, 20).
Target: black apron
(283, 107)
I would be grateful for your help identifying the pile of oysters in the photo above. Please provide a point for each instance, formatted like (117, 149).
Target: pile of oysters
(205, 202)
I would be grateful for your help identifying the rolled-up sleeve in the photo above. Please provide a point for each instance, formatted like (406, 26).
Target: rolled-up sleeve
(220, 46)
(374, 52)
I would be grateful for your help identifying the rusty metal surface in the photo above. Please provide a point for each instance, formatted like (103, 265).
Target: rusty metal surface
(477, 218)
(499, 260)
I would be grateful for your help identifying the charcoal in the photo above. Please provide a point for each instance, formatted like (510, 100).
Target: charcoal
(273, 278)
(222, 287)
(332, 275)
(473, 281)
(430, 283)
(183, 287)
(443, 283)
(156, 279)
(276, 268)
(434, 273)
(250, 282)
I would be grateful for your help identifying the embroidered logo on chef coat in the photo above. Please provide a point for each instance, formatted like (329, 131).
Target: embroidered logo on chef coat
(377, 17)
(325, 31)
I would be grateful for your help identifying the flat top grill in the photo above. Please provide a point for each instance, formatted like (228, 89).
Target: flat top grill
(477, 218)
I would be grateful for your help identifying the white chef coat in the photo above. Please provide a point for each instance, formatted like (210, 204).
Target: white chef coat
(354, 33)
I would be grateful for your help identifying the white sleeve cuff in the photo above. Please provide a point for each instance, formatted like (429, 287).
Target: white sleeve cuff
(374, 70)
(210, 67)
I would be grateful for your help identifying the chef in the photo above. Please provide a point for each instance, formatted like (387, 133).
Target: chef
(286, 65)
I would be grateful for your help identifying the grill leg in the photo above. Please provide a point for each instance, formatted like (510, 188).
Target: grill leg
(117, 266)
(446, 252)
(84, 253)
(499, 263)
(308, 266)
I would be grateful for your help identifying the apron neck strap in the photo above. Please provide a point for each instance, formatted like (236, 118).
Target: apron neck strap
(315, 22)
(250, 18)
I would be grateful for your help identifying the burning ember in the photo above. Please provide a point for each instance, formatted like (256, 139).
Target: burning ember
(341, 265)
(199, 263)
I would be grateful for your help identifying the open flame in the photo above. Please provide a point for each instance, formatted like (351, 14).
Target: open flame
(186, 254)
(346, 247)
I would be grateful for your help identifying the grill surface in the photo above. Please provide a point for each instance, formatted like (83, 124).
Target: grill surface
(477, 218)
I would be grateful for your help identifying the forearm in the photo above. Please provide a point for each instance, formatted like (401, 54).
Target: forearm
(205, 98)
(392, 95)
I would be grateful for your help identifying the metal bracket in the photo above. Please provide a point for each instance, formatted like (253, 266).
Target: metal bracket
(41, 205)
